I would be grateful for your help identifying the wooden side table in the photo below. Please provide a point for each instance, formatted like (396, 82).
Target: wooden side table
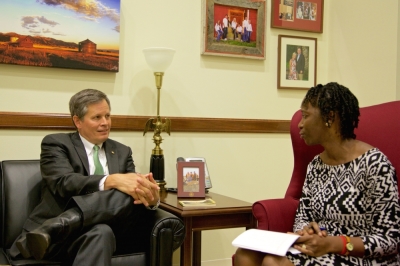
(228, 213)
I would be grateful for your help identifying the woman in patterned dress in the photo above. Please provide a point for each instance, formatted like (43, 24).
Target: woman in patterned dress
(292, 67)
(350, 191)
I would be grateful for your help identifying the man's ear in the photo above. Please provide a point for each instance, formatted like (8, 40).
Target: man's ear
(77, 121)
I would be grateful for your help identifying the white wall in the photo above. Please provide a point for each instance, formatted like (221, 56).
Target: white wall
(358, 48)
(362, 49)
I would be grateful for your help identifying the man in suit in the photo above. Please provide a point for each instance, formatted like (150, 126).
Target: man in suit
(91, 195)
(300, 62)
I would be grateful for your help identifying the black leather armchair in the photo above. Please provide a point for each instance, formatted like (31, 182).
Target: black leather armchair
(20, 193)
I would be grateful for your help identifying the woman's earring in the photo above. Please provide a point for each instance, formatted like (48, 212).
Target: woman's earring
(326, 124)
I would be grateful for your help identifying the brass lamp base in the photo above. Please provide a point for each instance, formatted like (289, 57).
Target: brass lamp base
(157, 168)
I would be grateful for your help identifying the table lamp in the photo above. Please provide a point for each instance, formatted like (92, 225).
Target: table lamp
(159, 59)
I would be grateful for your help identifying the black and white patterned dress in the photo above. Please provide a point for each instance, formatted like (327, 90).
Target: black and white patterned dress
(358, 198)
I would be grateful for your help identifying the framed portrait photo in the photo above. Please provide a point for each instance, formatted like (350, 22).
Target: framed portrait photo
(297, 62)
(191, 183)
(234, 28)
(299, 15)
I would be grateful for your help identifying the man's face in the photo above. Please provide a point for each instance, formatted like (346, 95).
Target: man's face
(298, 51)
(96, 124)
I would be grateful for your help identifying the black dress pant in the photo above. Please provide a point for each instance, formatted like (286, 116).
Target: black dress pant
(108, 221)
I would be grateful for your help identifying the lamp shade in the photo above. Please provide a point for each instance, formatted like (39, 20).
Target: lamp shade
(158, 58)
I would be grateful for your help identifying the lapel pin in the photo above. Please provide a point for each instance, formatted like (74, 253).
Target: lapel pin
(112, 152)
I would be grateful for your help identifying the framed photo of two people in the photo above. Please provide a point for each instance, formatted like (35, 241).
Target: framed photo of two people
(297, 62)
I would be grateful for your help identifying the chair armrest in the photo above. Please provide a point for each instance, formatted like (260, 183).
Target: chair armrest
(275, 214)
(159, 234)
(167, 235)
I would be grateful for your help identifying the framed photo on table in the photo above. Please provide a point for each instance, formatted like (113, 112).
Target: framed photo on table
(191, 182)
(234, 28)
(299, 15)
(297, 62)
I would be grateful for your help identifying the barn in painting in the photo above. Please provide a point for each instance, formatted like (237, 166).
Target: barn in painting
(26, 42)
(88, 47)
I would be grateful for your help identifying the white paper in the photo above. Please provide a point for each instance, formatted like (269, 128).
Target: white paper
(266, 241)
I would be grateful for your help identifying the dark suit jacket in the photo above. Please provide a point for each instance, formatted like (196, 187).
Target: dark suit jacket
(65, 172)
(300, 63)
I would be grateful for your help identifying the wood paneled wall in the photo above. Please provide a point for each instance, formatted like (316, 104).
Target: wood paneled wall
(43, 121)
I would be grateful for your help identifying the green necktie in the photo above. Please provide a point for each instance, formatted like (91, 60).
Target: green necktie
(98, 169)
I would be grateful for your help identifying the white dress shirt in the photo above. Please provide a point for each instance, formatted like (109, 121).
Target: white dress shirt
(225, 22)
(102, 157)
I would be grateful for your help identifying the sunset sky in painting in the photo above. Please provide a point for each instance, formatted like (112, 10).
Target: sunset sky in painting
(66, 20)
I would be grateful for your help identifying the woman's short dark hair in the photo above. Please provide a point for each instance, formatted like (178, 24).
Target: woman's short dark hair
(78, 104)
(338, 99)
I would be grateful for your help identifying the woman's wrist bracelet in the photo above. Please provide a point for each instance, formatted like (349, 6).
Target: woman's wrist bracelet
(344, 240)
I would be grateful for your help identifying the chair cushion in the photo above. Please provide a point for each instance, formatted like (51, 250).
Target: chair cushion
(3, 257)
(129, 260)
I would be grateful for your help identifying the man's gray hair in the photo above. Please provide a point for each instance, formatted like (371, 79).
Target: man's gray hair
(78, 104)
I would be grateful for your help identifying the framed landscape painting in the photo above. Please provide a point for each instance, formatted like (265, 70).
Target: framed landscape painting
(234, 28)
(60, 33)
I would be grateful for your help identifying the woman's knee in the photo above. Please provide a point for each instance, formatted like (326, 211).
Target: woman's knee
(276, 260)
(246, 257)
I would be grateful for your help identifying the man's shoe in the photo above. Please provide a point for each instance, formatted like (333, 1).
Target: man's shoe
(51, 231)
(23, 247)
(38, 241)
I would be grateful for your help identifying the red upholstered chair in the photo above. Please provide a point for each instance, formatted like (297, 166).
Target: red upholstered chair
(379, 126)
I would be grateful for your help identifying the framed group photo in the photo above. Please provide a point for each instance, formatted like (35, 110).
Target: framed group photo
(297, 62)
(191, 180)
(234, 28)
(302, 15)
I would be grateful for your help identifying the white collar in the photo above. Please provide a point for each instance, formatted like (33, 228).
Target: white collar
(88, 145)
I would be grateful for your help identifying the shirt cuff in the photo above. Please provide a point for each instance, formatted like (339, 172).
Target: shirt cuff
(155, 207)
(101, 183)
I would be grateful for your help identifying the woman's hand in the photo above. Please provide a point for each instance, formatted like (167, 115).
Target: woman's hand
(312, 240)
(312, 228)
(313, 244)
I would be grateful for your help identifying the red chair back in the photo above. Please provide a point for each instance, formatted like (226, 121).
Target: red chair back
(379, 126)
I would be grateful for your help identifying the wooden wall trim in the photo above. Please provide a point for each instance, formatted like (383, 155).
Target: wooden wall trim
(49, 121)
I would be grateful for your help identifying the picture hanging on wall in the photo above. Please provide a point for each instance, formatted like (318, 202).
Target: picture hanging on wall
(234, 28)
(299, 15)
(297, 62)
(61, 33)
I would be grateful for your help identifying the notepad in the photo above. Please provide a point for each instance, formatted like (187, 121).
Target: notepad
(197, 203)
(267, 241)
